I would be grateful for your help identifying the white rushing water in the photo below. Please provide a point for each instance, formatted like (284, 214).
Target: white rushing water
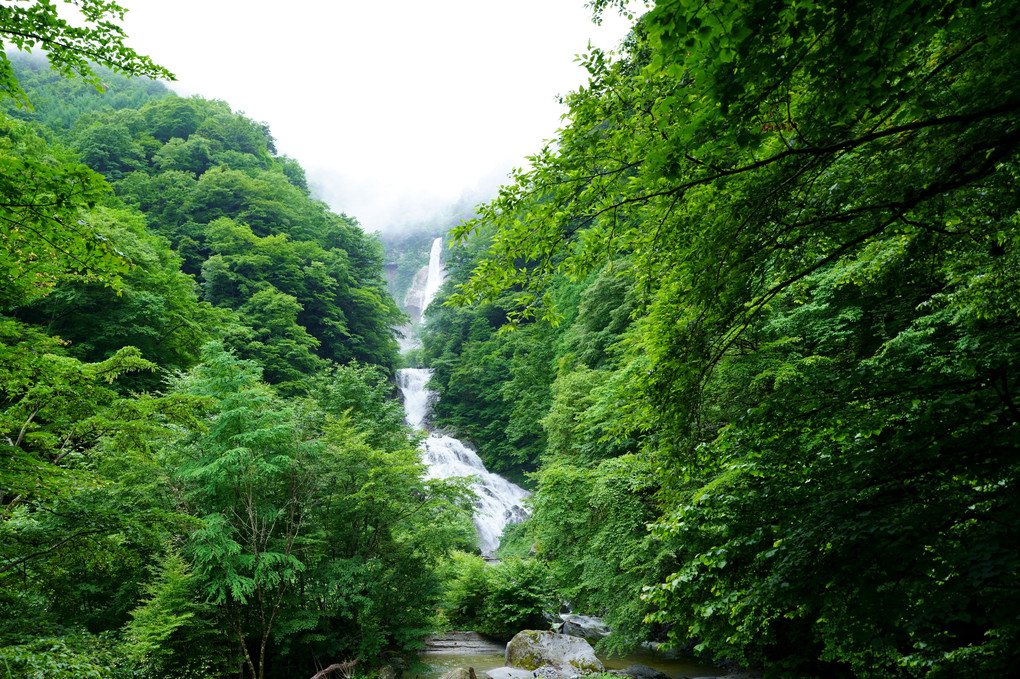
(436, 275)
(424, 287)
(500, 502)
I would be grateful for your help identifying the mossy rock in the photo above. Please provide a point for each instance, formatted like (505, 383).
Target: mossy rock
(532, 649)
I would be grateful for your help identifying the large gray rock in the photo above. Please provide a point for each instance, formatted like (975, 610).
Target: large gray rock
(532, 649)
(509, 673)
(588, 627)
(550, 672)
(397, 662)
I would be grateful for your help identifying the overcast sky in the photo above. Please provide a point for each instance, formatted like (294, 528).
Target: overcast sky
(395, 108)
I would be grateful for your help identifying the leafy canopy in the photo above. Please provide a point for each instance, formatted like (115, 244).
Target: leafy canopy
(72, 47)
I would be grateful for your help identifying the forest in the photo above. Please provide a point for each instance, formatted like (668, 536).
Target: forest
(748, 329)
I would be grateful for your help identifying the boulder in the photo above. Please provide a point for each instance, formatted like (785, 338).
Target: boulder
(387, 672)
(587, 627)
(397, 662)
(509, 673)
(532, 649)
(550, 672)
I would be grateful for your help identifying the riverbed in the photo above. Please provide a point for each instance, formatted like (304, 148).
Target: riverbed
(679, 666)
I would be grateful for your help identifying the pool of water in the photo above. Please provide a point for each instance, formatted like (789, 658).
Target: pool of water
(437, 665)
(675, 665)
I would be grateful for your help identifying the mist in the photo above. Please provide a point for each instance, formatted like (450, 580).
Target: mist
(397, 110)
(387, 211)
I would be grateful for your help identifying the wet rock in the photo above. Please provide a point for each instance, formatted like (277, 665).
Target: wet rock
(462, 642)
(509, 673)
(458, 673)
(531, 649)
(644, 672)
(397, 662)
(660, 649)
(587, 627)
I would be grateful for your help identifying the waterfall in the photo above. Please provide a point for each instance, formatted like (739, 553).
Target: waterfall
(423, 290)
(436, 274)
(499, 501)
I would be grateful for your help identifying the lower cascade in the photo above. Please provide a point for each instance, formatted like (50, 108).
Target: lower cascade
(499, 501)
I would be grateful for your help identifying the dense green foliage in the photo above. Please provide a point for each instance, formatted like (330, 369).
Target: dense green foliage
(497, 600)
(203, 469)
(73, 44)
(198, 192)
(750, 328)
(776, 248)
(548, 399)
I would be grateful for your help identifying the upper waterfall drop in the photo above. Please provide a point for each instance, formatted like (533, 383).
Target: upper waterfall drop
(423, 290)
(436, 275)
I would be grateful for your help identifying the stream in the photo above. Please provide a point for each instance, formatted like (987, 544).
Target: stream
(675, 666)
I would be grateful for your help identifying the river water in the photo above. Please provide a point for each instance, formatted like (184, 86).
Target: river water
(675, 666)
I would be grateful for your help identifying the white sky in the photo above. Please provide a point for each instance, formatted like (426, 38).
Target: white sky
(395, 109)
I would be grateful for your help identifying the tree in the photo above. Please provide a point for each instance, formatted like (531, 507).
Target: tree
(246, 480)
(109, 149)
(312, 542)
(70, 542)
(176, 117)
(46, 235)
(498, 600)
(819, 202)
(272, 337)
(193, 156)
(343, 306)
(235, 132)
(156, 309)
(363, 395)
(71, 49)
(171, 632)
